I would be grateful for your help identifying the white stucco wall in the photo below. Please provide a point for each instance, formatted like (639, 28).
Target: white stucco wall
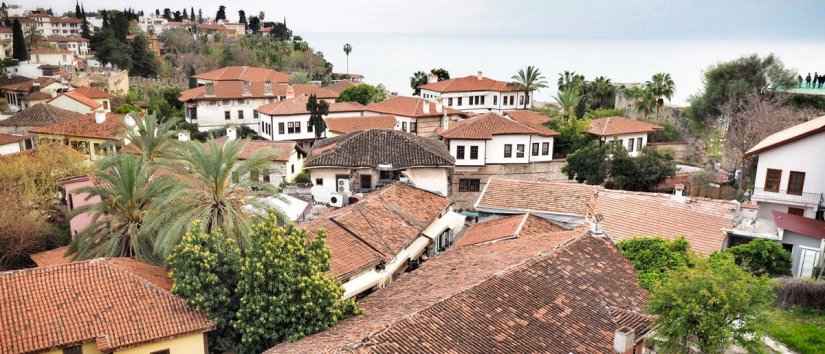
(435, 180)
(467, 161)
(70, 104)
(624, 139)
(302, 119)
(211, 113)
(9, 149)
(493, 100)
(804, 155)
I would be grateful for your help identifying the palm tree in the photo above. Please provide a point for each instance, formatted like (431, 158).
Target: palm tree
(568, 99)
(210, 189)
(569, 79)
(644, 100)
(530, 80)
(661, 85)
(603, 92)
(152, 139)
(347, 50)
(419, 78)
(127, 190)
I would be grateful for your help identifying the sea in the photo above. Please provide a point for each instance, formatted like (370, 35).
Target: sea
(390, 59)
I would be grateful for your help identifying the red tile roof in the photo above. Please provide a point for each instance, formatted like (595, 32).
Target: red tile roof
(39, 115)
(10, 138)
(412, 107)
(534, 119)
(532, 196)
(374, 147)
(27, 85)
(244, 73)
(235, 90)
(485, 126)
(471, 83)
(317, 90)
(93, 93)
(80, 98)
(546, 292)
(38, 96)
(620, 125)
(344, 125)
(112, 128)
(492, 230)
(103, 301)
(49, 50)
(799, 224)
(375, 229)
(279, 150)
(298, 105)
(789, 135)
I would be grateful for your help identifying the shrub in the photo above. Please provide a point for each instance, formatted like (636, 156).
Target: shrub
(791, 292)
(669, 133)
(640, 173)
(303, 178)
(654, 257)
(762, 257)
(588, 164)
(363, 94)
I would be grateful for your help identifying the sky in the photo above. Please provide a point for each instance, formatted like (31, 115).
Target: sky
(597, 19)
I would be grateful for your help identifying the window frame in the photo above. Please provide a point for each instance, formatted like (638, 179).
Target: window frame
(459, 152)
(474, 152)
(534, 149)
(768, 177)
(545, 148)
(227, 115)
(520, 151)
(508, 151)
(791, 176)
(469, 185)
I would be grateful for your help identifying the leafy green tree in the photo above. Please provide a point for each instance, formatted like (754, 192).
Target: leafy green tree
(209, 189)
(361, 93)
(530, 79)
(317, 110)
(281, 32)
(661, 86)
(144, 61)
(117, 227)
(711, 305)
(417, 79)
(19, 50)
(640, 173)
(285, 290)
(254, 24)
(242, 18)
(570, 80)
(441, 74)
(733, 80)
(589, 164)
(654, 257)
(762, 257)
(204, 269)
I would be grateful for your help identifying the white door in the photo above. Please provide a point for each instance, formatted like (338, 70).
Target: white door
(808, 258)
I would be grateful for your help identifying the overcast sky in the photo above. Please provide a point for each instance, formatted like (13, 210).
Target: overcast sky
(621, 19)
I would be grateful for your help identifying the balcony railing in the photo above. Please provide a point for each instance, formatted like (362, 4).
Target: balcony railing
(782, 196)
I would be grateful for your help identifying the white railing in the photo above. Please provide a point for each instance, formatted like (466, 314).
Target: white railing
(782, 196)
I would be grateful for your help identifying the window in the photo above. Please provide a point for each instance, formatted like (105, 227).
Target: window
(520, 150)
(366, 181)
(508, 150)
(520, 100)
(495, 100)
(459, 152)
(473, 152)
(796, 211)
(772, 179)
(403, 126)
(414, 127)
(193, 113)
(449, 101)
(254, 114)
(459, 101)
(535, 150)
(631, 143)
(469, 185)
(290, 128)
(106, 105)
(639, 144)
(545, 149)
(310, 128)
(227, 115)
(240, 114)
(297, 127)
(482, 99)
(281, 128)
(291, 168)
(319, 181)
(796, 183)
(75, 349)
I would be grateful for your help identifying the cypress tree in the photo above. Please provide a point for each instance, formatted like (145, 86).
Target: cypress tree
(19, 42)
(77, 12)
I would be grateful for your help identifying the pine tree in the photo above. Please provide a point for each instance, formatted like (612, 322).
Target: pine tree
(19, 51)
(77, 13)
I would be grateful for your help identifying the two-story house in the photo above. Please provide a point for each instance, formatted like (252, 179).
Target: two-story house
(788, 195)
(476, 94)
(492, 144)
(418, 116)
(289, 119)
(76, 44)
(630, 133)
(95, 135)
(219, 104)
(242, 73)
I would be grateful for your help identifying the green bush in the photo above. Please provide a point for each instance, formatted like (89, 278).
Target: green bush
(303, 178)
(654, 257)
(641, 173)
(363, 94)
(762, 257)
(588, 164)
(669, 133)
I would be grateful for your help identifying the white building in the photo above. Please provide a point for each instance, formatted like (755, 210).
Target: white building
(76, 44)
(417, 115)
(242, 73)
(289, 119)
(219, 104)
(788, 193)
(11, 144)
(51, 25)
(53, 56)
(630, 133)
(476, 94)
(365, 160)
(286, 160)
(77, 102)
(153, 24)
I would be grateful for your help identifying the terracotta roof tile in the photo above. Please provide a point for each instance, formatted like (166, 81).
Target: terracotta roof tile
(492, 230)
(49, 50)
(112, 128)
(235, 90)
(345, 125)
(10, 138)
(39, 115)
(93, 93)
(469, 84)
(799, 224)
(375, 229)
(789, 135)
(244, 73)
(412, 107)
(547, 283)
(311, 89)
(534, 119)
(373, 147)
(105, 301)
(279, 150)
(620, 125)
(298, 105)
(531, 196)
(56, 256)
(485, 126)
(81, 98)
(22, 84)
(63, 39)
(38, 96)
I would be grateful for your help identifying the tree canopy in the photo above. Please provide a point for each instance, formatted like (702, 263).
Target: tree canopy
(363, 94)
(654, 257)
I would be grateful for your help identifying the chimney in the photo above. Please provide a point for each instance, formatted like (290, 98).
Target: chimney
(679, 193)
(425, 106)
(267, 88)
(100, 117)
(624, 339)
(596, 225)
(247, 89)
(479, 75)
(231, 133)
(210, 88)
(184, 136)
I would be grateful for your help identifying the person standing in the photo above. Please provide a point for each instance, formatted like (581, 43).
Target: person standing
(808, 81)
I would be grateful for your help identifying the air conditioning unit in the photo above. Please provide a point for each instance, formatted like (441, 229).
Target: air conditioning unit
(343, 186)
(338, 200)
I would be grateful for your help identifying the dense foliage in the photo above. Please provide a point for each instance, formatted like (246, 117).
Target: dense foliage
(762, 257)
(653, 257)
(317, 110)
(589, 164)
(363, 94)
(802, 330)
(19, 48)
(599, 93)
(420, 78)
(711, 305)
(597, 163)
(111, 44)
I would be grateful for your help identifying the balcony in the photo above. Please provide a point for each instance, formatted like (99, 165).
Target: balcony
(785, 198)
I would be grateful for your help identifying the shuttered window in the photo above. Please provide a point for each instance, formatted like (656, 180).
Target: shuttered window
(772, 180)
(796, 183)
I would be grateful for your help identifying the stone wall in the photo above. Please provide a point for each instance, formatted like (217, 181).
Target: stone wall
(536, 171)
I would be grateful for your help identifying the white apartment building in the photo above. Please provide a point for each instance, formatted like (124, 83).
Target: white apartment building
(422, 117)
(632, 134)
(788, 195)
(219, 104)
(52, 25)
(76, 44)
(476, 94)
(288, 120)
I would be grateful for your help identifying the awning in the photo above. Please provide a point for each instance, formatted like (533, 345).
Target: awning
(451, 220)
